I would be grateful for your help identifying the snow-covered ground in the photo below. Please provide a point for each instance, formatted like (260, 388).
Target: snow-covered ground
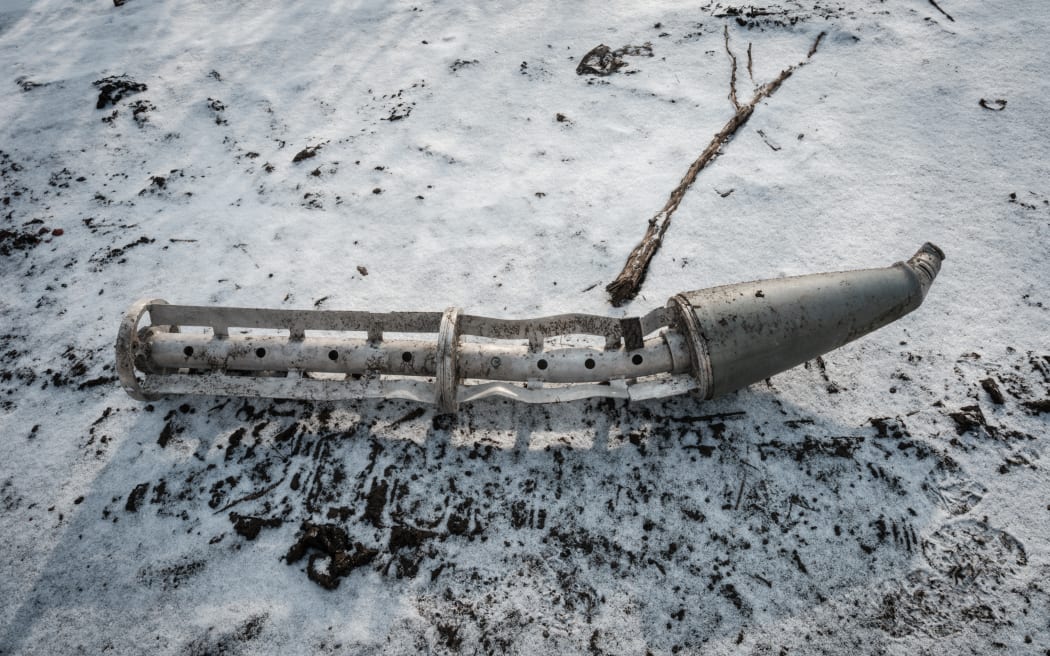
(886, 499)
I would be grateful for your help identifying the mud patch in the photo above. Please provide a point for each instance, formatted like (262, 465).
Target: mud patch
(970, 552)
(218, 111)
(603, 60)
(249, 527)
(235, 640)
(12, 241)
(170, 577)
(462, 63)
(113, 89)
(327, 541)
(137, 496)
(948, 486)
(140, 110)
(306, 153)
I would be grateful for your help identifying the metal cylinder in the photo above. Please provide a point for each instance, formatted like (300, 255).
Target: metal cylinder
(404, 357)
(744, 333)
(712, 341)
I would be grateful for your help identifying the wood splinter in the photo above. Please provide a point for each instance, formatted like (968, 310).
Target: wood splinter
(627, 283)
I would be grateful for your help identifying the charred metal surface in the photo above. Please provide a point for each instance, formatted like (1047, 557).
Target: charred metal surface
(709, 341)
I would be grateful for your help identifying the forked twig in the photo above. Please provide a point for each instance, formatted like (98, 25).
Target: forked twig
(813, 48)
(627, 283)
(732, 71)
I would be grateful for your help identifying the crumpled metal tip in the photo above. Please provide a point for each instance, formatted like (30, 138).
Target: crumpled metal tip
(933, 249)
(927, 264)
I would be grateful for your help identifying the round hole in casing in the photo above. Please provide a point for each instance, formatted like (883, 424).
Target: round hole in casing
(637, 359)
(333, 355)
(260, 352)
(188, 351)
(542, 364)
(589, 363)
(406, 356)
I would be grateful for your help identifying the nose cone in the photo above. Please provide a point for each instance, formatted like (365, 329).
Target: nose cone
(743, 333)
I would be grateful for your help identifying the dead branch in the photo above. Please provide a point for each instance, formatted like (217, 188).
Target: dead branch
(938, 8)
(250, 497)
(732, 72)
(628, 282)
(816, 44)
(750, 73)
(767, 141)
(740, 493)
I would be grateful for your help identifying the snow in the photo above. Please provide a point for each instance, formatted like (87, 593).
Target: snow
(781, 519)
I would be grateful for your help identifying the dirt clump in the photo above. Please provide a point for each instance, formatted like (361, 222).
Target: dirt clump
(331, 542)
(249, 527)
(603, 60)
(114, 88)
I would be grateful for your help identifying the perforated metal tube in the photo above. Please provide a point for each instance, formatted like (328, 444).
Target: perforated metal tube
(712, 341)
(348, 355)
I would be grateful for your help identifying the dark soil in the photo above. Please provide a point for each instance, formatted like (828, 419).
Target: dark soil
(115, 88)
(249, 527)
(140, 110)
(331, 542)
(968, 418)
(306, 153)
(602, 60)
(462, 63)
(12, 241)
(136, 497)
(989, 385)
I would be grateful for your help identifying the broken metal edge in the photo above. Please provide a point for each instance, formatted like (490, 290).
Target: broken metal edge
(127, 347)
(927, 264)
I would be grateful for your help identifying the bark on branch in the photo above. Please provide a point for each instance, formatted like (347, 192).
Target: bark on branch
(938, 8)
(627, 283)
(732, 70)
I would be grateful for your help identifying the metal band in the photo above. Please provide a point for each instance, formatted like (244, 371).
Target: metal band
(632, 333)
(653, 321)
(686, 321)
(375, 330)
(678, 346)
(447, 360)
(127, 346)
